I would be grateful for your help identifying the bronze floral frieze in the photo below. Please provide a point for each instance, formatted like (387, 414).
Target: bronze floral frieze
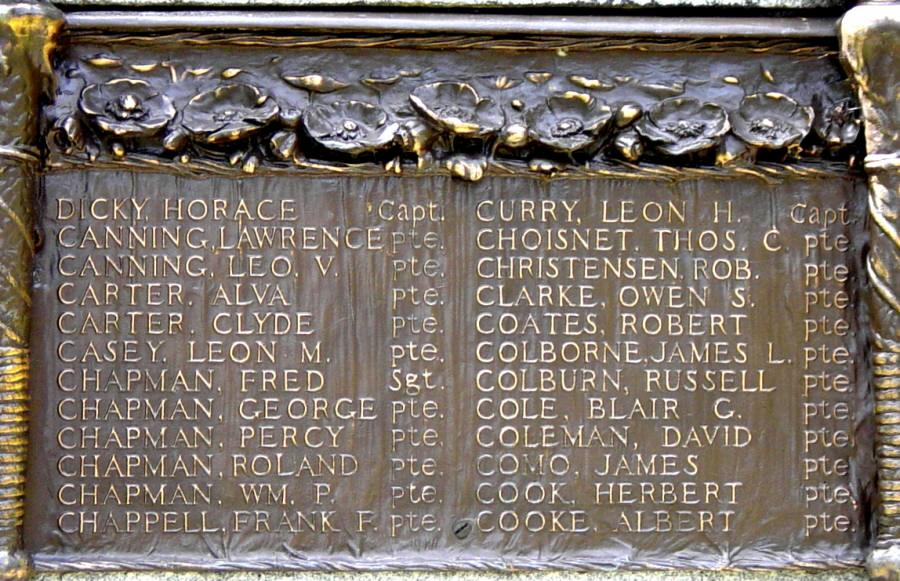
(464, 126)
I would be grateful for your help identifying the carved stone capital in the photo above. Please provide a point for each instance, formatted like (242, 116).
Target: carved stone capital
(27, 30)
(870, 42)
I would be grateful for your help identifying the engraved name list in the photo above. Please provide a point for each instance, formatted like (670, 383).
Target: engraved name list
(376, 372)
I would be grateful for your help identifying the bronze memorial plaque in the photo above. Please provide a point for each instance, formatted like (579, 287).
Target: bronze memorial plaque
(307, 299)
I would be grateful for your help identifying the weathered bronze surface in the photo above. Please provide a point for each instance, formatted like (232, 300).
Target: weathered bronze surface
(26, 38)
(545, 357)
(608, 349)
(318, 300)
(869, 36)
(577, 105)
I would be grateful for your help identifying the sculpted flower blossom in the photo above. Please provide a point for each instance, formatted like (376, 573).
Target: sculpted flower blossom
(351, 127)
(228, 113)
(771, 121)
(458, 109)
(837, 123)
(682, 125)
(127, 108)
(568, 123)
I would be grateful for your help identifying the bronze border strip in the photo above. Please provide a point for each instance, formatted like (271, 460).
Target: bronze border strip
(493, 24)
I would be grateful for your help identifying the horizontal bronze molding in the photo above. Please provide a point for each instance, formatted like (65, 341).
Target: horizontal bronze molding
(615, 26)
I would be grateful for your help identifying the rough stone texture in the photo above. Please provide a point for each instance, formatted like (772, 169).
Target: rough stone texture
(845, 575)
